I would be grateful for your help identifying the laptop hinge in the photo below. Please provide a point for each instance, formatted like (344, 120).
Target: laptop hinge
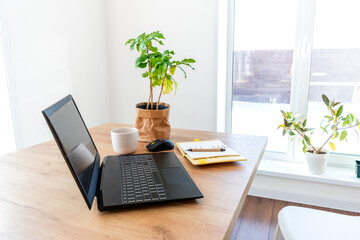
(100, 177)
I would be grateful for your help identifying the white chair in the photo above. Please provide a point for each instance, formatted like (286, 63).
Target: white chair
(299, 223)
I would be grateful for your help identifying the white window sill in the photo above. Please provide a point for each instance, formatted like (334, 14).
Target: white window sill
(297, 170)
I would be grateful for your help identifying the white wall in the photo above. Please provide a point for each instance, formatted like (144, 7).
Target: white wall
(7, 139)
(53, 48)
(190, 30)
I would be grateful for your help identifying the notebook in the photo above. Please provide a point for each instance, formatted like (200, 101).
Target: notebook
(120, 180)
(203, 158)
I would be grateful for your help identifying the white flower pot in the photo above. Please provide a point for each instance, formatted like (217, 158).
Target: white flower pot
(316, 163)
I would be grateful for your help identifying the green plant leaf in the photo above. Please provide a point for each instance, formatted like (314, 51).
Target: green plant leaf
(352, 116)
(143, 45)
(153, 49)
(166, 52)
(304, 149)
(284, 132)
(145, 74)
(182, 71)
(331, 103)
(332, 146)
(129, 41)
(172, 70)
(297, 127)
(176, 87)
(336, 104)
(188, 60)
(185, 62)
(304, 122)
(168, 86)
(281, 125)
(142, 65)
(283, 113)
(286, 123)
(343, 135)
(307, 139)
(156, 82)
(336, 134)
(140, 37)
(291, 133)
(325, 99)
(132, 45)
(339, 111)
(156, 34)
(324, 129)
(142, 58)
(168, 76)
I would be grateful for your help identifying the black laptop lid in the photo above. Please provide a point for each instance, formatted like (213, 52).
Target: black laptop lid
(76, 145)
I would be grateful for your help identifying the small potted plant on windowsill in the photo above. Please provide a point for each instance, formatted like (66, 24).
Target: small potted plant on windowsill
(152, 117)
(334, 125)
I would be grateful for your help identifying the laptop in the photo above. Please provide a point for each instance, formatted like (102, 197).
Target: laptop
(121, 180)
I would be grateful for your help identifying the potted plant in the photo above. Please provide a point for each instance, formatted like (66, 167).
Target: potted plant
(335, 125)
(152, 117)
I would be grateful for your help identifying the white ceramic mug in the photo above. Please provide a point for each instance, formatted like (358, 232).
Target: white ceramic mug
(124, 139)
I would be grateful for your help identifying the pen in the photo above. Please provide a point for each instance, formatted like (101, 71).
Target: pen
(206, 149)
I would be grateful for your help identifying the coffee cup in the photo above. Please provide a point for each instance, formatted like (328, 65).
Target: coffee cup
(124, 139)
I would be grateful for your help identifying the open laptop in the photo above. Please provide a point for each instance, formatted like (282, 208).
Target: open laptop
(121, 180)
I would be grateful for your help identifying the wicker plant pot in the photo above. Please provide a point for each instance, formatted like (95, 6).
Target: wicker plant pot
(152, 124)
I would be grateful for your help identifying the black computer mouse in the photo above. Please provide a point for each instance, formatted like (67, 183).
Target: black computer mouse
(160, 145)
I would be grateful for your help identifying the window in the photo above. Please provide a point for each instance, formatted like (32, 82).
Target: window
(285, 55)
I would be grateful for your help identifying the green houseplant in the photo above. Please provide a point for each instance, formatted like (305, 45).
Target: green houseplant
(159, 68)
(335, 126)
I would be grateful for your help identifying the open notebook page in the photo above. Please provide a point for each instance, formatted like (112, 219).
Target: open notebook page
(207, 144)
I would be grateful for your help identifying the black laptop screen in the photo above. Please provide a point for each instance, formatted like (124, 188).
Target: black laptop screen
(75, 141)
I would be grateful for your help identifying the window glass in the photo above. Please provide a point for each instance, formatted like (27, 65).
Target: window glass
(335, 66)
(263, 55)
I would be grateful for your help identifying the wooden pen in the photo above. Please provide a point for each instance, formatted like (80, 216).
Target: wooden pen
(206, 149)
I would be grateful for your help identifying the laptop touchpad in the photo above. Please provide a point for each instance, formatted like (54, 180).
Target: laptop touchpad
(174, 175)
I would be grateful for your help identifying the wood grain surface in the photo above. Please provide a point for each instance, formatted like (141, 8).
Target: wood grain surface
(256, 219)
(253, 222)
(39, 198)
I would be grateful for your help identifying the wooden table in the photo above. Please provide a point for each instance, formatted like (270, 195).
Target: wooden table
(39, 198)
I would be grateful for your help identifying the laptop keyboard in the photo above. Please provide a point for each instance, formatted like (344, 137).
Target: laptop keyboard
(141, 181)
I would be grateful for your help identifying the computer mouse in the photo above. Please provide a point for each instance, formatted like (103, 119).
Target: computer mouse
(160, 145)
